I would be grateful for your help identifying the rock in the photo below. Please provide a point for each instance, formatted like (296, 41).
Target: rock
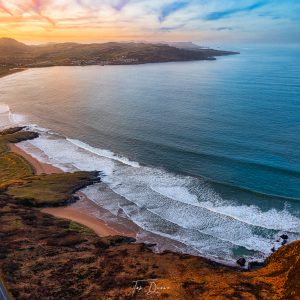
(273, 249)
(284, 236)
(118, 240)
(283, 242)
(150, 245)
(241, 261)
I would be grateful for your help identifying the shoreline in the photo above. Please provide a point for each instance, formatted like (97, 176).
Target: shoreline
(86, 212)
(72, 214)
(77, 211)
(18, 70)
(81, 210)
(45, 247)
(7, 72)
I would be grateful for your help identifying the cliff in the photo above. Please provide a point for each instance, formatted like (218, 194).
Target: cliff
(43, 257)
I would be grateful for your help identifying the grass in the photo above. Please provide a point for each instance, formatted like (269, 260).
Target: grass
(54, 189)
(18, 180)
(18, 136)
(13, 167)
(3, 146)
(79, 228)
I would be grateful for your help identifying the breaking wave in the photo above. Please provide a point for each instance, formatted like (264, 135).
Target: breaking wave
(181, 208)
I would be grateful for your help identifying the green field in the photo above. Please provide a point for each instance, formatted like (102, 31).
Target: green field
(17, 177)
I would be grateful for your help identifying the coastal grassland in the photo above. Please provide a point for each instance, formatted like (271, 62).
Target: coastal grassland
(19, 181)
(54, 189)
(44, 257)
(12, 168)
(12, 165)
(73, 226)
(3, 146)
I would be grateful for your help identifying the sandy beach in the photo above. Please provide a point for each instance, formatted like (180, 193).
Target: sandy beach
(73, 214)
(40, 168)
(79, 211)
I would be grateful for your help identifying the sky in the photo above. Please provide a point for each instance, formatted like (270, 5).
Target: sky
(203, 21)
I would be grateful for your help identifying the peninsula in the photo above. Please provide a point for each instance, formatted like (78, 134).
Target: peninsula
(16, 55)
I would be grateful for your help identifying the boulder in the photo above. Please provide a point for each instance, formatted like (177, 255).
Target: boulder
(118, 240)
(150, 245)
(284, 236)
(241, 261)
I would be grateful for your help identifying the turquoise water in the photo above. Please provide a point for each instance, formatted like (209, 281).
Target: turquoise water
(215, 140)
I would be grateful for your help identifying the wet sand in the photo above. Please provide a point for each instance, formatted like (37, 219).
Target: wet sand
(71, 213)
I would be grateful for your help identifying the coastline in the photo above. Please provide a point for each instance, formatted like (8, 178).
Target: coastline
(188, 277)
(109, 224)
(72, 214)
(39, 244)
(77, 211)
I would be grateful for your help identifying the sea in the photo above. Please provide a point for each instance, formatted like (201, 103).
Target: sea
(204, 154)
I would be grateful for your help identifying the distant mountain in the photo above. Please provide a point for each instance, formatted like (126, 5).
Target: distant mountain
(186, 45)
(9, 46)
(16, 54)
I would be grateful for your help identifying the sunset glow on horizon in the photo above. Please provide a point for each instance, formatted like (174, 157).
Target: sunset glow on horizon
(40, 21)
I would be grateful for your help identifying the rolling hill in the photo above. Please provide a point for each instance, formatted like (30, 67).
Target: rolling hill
(16, 54)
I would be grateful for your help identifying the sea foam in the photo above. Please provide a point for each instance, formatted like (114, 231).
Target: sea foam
(178, 207)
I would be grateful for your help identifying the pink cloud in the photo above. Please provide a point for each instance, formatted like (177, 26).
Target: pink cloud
(3, 8)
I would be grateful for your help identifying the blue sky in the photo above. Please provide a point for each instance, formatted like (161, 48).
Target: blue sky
(268, 21)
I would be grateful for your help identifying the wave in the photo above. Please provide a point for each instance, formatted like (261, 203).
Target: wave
(104, 153)
(204, 243)
(230, 159)
(9, 118)
(251, 215)
(194, 241)
(15, 118)
(226, 160)
(179, 207)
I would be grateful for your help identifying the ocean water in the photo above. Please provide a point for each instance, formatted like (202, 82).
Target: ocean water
(203, 153)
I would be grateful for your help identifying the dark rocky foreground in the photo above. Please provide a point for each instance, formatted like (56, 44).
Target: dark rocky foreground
(43, 257)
